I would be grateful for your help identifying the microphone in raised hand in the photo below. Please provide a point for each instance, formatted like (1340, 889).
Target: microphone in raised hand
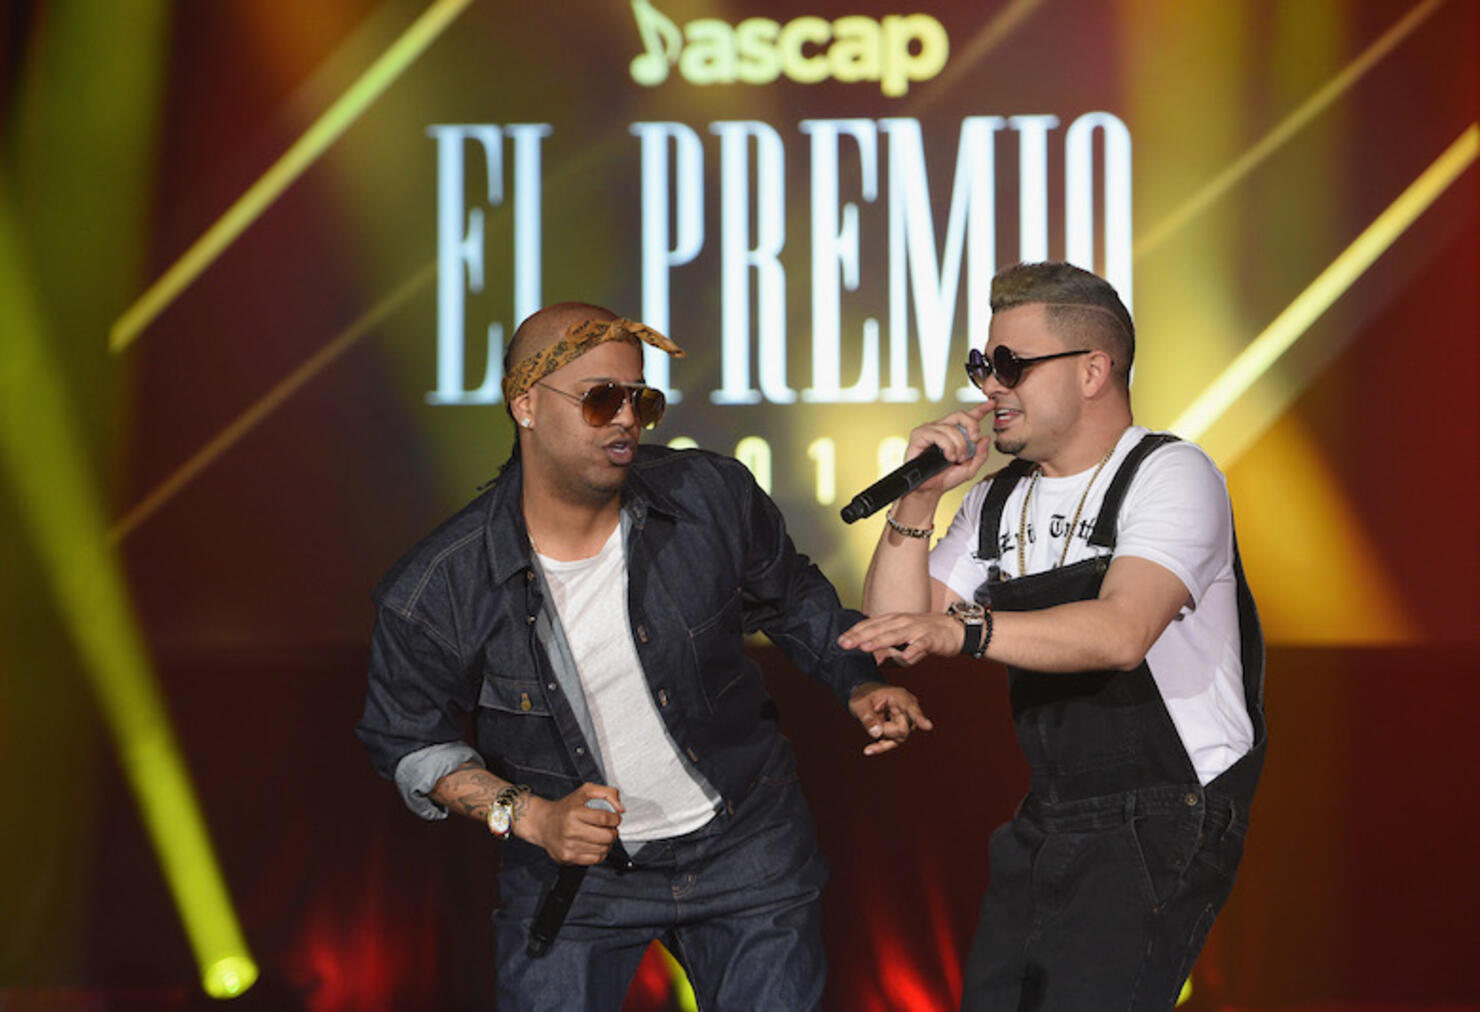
(902, 480)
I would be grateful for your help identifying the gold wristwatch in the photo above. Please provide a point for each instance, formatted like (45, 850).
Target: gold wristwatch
(501, 812)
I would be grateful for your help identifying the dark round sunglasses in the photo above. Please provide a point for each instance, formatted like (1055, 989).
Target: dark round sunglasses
(1007, 365)
(603, 402)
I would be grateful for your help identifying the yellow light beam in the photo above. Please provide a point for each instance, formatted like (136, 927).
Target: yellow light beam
(682, 996)
(574, 170)
(269, 402)
(1283, 131)
(304, 152)
(43, 457)
(1318, 296)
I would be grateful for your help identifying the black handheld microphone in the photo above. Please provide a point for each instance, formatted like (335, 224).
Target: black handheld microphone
(557, 901)
(902, 480)
(553, 909)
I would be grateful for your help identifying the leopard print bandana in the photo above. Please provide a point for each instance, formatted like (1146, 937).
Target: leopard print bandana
(579, 339)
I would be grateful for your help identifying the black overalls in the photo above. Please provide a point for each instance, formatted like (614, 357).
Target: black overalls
(1104, 885)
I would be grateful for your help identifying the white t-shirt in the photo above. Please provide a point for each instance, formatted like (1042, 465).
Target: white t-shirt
(1176, 514)
(661, 796)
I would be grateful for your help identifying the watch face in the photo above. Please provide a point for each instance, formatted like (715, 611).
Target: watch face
(966, 612)
(498, 820)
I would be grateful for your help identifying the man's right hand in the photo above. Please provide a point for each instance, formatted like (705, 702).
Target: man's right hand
(898, 578)
(947, 434)
(569, 830)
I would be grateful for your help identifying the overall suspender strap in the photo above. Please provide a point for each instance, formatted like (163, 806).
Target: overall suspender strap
(1251, 635)
(1109, 518)
(1002, 485)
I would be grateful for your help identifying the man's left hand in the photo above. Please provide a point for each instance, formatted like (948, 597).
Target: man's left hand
(888, 713)
(906, 638)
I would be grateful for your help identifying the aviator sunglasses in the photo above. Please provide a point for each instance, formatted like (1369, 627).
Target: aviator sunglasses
(1007, 365)
(603, 402)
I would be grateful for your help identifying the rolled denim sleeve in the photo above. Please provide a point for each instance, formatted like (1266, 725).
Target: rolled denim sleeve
(418, 690)
(789, 599)
(418, 772)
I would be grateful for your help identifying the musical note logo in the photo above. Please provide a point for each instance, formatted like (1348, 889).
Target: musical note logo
(662, 40)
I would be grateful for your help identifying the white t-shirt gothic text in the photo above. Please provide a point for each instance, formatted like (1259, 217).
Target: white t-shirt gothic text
(1176, 514)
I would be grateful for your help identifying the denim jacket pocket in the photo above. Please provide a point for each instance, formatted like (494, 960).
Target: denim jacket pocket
(517, 731)
(513, 695)
(718, 657)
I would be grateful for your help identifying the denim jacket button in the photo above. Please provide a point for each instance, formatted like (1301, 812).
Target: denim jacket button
(551, 686)
(642, 633)
(580, 750)
(1191, 799)
(662, 697)
(529, 619)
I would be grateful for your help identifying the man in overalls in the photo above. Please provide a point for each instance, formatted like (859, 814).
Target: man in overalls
(1100, 566)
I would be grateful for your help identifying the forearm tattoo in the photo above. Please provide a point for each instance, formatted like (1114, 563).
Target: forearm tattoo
(521, 802)
(469, 790)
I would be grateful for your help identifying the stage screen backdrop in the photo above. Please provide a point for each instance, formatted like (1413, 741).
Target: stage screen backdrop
(257, 263)
(810, 199)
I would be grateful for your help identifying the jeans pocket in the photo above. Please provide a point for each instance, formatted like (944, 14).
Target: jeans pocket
(1223, 851)
(1163, 845)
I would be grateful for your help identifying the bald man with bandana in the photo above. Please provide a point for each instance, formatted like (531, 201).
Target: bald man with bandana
(588, 610)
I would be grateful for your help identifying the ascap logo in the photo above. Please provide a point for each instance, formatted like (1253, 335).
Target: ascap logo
(895, 51)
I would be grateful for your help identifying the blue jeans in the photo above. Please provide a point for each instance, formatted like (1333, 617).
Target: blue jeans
(736, 902)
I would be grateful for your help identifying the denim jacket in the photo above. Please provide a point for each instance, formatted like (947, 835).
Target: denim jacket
(463, 628)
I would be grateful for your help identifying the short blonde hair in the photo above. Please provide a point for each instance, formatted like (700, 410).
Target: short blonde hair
(1083, 308)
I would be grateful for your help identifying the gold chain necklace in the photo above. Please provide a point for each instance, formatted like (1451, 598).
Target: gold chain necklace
(1069, 535)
